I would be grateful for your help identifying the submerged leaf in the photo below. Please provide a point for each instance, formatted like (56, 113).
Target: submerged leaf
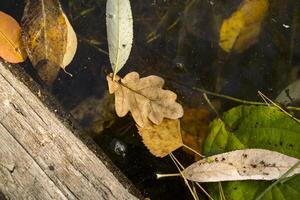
(194, 128)
(290, 95)
(242, 28)
(162, 139)
(11, 48)
(95, 114)
(144, 98)
(248, 164)
(49, 38)
(119, 24)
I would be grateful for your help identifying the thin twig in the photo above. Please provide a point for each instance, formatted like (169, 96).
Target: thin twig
(193, 150)
(277, 106)
(222, 195)
(239, 100)
(228, 97)
(203, 190)
(210, 104)
(178, 165)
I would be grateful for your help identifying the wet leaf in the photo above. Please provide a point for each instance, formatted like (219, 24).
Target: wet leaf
(290, 94)
(119, 24)
(49, 39)
(162, 139)
(241, 29)
(95, 114)
(248, 164)
(144, 98)
(255, 127)
(11, 48)
(194, 125)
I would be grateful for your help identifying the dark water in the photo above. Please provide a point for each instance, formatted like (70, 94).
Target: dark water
(185, 52)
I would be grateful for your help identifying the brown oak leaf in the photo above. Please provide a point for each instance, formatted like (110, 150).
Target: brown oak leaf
(162, 139)
(144, 98)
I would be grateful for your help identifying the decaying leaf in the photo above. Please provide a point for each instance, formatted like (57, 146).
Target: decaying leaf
(11, 48)
(242, 28)
(49, 39)
(290, 95)
(144, 98)
(162, 139)
(247, 164)
(194, 128)
(119, 24)
(95, 114)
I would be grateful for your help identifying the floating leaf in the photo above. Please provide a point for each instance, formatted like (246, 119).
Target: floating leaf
(11, 48)
(248, 164)
(255, 127)
(162, 139)
(119, 24)
(49, 38)
(144, 98)
(242, 28)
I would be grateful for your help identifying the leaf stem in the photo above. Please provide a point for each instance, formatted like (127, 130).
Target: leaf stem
(159, 176)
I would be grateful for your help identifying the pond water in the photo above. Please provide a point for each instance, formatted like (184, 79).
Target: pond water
(178, 41)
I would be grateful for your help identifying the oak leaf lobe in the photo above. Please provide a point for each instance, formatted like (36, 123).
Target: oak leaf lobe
(144, 98)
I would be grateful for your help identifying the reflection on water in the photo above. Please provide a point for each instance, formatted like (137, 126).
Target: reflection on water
(179, 41)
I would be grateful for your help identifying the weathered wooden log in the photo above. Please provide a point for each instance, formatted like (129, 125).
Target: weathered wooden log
(40, 157)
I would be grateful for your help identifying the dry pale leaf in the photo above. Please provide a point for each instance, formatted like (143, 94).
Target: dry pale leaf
(144, 98)
(48, 37)
(242, 28)
(162, 139)
(11, 48)
(247, 164)
(119, 24)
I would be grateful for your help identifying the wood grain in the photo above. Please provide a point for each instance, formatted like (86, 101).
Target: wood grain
(40, 158)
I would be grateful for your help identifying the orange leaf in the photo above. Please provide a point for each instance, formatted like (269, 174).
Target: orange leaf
(11, 48)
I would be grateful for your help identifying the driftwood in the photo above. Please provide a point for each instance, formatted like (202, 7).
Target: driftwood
(40, 158)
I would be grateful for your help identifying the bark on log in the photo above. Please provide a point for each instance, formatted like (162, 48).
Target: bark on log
(40, 158)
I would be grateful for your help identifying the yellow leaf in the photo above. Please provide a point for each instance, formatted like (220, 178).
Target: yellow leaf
(241, 29)
(11, 48)
(48, 37)
(162, 139)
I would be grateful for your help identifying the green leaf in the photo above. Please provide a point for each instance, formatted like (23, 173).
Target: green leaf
(255, 127)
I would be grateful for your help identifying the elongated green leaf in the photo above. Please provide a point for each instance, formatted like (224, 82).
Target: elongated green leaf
(255, 127)
(119, 32)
